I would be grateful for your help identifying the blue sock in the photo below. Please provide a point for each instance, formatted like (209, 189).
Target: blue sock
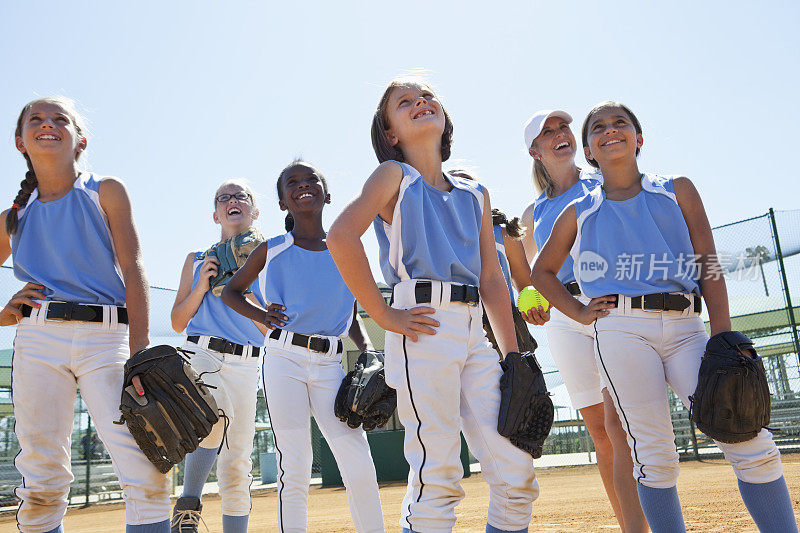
(234, 524)
(196, 469)
(158, 527)
(491, 529)
(59, 529)
(770, 505)
(662, 508)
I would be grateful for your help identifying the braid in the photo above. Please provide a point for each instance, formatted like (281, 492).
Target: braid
(26, 188)
(513, 227)
(498, 217)
(289, 222)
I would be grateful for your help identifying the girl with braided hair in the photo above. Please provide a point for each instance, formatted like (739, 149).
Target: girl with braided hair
(83, 310)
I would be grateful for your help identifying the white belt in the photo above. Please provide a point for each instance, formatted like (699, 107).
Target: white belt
(247, 350)
(434, 293)
(625, 307)
(285, 341)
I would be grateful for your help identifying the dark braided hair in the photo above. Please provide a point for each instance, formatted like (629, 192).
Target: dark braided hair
(513, 226)
(289, 221)
(26, 188)
(29, 184)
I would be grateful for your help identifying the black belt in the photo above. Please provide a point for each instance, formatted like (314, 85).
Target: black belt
(665, 301)
(573, 288)
(224, 346)
(313, 343)
(423, 293)
(77, 312)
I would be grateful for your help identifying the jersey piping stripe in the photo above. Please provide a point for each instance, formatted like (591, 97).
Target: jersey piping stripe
(272, 252)
(94, 196)
(419, 436)
(350, 321)
(394, 230)
(597, 200)
(657, 187)
(611, 384)
(280, 458)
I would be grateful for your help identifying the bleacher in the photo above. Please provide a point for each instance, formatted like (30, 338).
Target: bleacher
(103, 481)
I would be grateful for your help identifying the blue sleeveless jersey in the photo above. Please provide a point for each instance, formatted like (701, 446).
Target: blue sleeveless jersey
(501, 255)
(434, 234)
(636, 246)
(66, 246)
(546, 211)
(309, 285)
(216, 319)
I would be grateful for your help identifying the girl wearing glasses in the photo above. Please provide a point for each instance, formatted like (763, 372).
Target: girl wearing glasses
(80, 315)
(224, 348)
(302, 367)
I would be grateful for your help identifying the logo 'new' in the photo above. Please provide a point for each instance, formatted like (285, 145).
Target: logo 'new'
(592, 266)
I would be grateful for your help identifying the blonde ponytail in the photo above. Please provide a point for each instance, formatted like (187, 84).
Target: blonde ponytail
(542, 181)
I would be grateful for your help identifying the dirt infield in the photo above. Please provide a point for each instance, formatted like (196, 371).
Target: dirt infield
(571, 499)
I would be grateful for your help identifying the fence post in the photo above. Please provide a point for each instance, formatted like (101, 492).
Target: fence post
(87, 455)
(786, 293)
(584, 435)
(694, 440)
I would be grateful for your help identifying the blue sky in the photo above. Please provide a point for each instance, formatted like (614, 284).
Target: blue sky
(182, 95)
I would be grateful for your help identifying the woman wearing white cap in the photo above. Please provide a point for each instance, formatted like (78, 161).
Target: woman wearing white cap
(559, 181)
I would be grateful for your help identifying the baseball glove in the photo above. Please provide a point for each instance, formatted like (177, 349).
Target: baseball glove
(174, 412)
(232, 254)
(364, 398)
(731, 402)
(526, 410)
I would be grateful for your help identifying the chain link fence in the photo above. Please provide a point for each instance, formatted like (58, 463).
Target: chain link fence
(760, 259)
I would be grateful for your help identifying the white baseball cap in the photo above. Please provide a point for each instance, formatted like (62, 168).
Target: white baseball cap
(535, 124)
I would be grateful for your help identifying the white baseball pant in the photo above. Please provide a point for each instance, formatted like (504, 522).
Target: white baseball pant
(572, 348)
(639, 353)
(299, 382)
(448, 383)
(236, 380)
(51, 360)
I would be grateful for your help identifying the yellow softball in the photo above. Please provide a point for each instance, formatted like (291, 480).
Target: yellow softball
(530, 298)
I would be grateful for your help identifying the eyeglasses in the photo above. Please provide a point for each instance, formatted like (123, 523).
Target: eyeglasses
(241, 196)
